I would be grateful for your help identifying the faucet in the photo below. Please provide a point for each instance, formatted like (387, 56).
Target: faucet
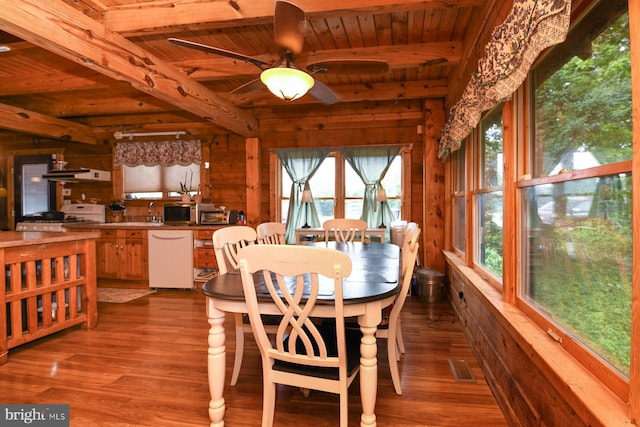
(149, 207)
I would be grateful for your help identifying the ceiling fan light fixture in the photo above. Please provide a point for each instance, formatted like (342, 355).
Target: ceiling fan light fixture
(287, 83)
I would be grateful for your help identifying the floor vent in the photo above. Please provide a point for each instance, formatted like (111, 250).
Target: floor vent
(461, 371)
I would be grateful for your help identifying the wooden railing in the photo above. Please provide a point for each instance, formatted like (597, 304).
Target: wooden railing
(46, 288)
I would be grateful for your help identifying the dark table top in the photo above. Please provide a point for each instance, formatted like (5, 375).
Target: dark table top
(374, 275)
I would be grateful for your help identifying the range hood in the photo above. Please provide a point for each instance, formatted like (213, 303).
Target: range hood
(75, 175)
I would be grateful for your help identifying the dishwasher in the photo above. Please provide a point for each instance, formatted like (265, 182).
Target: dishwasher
(171, 259)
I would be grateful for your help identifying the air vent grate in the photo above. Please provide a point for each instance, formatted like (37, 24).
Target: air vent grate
(461, 371)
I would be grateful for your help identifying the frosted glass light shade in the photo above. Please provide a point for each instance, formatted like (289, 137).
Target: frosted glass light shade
(287, 83)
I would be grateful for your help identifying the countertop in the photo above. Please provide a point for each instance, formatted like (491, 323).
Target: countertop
(9, 239)
(138, 225)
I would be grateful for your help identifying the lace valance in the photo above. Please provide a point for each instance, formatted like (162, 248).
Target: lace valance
(530, 27)
(153, 153)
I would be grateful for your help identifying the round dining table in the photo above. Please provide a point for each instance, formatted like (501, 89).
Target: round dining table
(371, 286)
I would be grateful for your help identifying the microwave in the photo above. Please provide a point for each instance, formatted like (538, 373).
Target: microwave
(208, 214)
(179, 214)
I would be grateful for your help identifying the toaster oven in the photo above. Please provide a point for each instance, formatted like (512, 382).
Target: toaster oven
(210, 215)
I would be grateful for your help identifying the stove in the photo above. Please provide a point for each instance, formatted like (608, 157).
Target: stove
(73, 213)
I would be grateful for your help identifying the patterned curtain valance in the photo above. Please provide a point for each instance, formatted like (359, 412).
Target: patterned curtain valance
(531, 27)
(154, 153)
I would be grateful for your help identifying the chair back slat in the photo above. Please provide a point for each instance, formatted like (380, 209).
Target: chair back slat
(293, 277)
(227, 242)
(344, 229)
(271, 233)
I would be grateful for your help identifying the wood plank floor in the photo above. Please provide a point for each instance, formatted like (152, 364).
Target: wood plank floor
(145, 365)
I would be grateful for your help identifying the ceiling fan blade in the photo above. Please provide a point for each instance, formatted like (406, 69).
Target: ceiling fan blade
(323, 93)
(349, 66)
(210, 49)
(289, 26)
(252, 86)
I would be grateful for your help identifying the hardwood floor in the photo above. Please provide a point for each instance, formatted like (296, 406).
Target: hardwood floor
(145, 365)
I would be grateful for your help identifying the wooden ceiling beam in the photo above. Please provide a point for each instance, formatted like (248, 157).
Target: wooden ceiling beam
(358, 92)
(134, 19)
(220, 67)
(126, 108)
(67, 32)
(20, 120)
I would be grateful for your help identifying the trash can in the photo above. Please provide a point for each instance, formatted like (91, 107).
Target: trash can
(430, 285)
(396, 234)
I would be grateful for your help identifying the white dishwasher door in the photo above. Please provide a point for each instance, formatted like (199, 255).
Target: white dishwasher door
(171, 259)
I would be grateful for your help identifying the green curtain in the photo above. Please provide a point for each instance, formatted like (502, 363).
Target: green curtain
(301, 164)
(371, 165)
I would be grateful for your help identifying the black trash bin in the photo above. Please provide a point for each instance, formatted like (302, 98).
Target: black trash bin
(430, 285)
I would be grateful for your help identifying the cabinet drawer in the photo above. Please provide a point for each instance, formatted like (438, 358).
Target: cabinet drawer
(204, 258)
(203, 234)
(133, 234)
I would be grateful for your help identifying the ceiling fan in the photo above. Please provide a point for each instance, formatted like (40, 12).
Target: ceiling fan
(283, 77)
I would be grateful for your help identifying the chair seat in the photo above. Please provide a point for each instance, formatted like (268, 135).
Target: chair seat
(328, 332)
(267, 319)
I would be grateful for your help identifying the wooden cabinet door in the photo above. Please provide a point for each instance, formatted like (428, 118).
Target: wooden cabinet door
(134, 258)
(107, 258)
(122, 254)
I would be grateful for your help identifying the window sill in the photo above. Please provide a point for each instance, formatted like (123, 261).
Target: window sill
(590, 399)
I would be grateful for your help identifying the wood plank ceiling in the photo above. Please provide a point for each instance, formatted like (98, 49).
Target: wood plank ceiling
(83, 69)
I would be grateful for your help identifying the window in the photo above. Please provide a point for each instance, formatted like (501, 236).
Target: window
(459, 181)
(488, 197)
(159, 182)
(577, 243)
(338, 191)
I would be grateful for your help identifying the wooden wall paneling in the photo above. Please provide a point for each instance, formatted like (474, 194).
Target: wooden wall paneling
(228, 172)
(535, 381)
(271, 207)
(253, 182)
(205, 174)
(433, 199)
(102, 191)
(518, 385)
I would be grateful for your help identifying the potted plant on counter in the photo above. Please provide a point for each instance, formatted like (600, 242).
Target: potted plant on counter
(117, 210)
(185, 191)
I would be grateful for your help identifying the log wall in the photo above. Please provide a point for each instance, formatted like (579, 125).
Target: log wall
(535, 382)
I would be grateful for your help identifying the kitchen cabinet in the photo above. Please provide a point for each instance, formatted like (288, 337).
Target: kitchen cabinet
(204, 257)
(125, 254)
(122, 251)
(122, 254)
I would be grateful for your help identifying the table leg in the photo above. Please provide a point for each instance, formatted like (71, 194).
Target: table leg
(216, 364)
(369, 364)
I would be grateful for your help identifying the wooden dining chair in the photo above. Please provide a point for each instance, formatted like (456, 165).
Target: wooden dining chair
(303, 354)
(392, 329)
(344, 229)
(411, 232)
(271, 233)
(227, 242)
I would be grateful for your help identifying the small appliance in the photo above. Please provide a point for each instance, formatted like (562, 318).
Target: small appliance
(179, 214)
(208, 214)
